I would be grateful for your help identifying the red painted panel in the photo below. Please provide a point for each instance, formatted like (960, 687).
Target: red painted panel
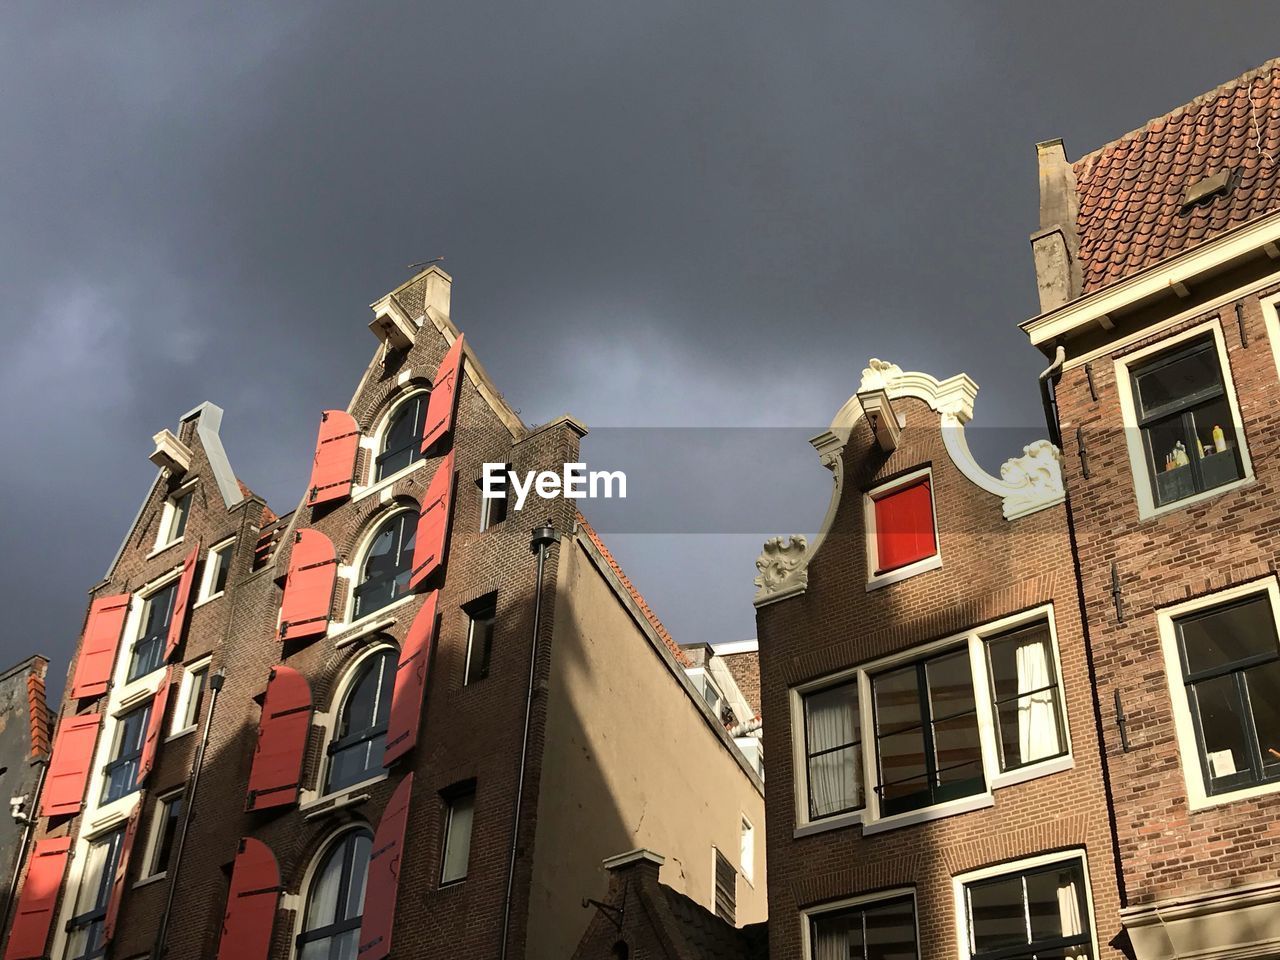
(334, 467)
(904, 526)
(155, 725)
(411, 682)
(34, 917)
(69, 768)
(282, 740)
(384, 876)
(98, 645)
(444, 396)
(251, 903)
(181, 601)
(308, 589)
(117, 882)
(433, 523)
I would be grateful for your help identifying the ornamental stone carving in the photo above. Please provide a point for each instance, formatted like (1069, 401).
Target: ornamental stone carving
(1033, 481)
(878, 374)
(783, 571)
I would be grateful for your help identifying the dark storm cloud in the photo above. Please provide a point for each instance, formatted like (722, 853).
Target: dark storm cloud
(656, 214)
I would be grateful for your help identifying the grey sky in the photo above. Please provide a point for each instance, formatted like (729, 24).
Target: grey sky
(659, 214)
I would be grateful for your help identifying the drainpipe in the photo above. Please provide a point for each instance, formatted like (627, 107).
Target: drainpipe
(541, 540)
(188, 808)
(28, 820)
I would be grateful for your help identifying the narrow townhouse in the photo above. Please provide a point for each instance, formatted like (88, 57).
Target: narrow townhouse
(935, 788)
(1157, 263)
(399, 720)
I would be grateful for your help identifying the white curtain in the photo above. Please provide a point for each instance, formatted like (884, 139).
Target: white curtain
(834, 781)
(831, 939)
(1069, 911)
(1037, 712)
(322, 908)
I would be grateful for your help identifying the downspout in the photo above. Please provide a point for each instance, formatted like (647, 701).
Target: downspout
(1049, 396)
(541, 540)
(188, 808)
(28, 820)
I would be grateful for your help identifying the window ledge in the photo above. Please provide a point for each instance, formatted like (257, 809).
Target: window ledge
(878, 580)
(1034, 771)
(362, 492)
(148, 881)
(209, 599)
(163, 547)
(949, 809)
(1154, 513)
(179, 734)
(332, 802)
(1203, 801)
(351, 632)
(837, 822)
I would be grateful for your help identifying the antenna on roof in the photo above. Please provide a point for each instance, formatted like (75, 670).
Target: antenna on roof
(424, 263)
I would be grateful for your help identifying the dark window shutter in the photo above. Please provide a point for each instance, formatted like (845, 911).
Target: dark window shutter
(384, 876)
(433, 523)
(726, 888)
(155, 724)
(181, 602)
(904, 526)
(122, 870)
(411, 682)
(282, 740)
(98, 645)
(308, 589)
(334, 467)
(251, 903)
(444, 396)
(69, 768)
(34, 916)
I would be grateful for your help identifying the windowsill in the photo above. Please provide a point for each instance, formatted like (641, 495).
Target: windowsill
(148, 881)
(385, 482)
(1152, 513)
(179, 734)
(209, 599)
(1203, 801)
(346, 797)
(878, 580)
(837, 822)
(451, 884)
(1033, 771)
(163, 547)
(378, 620)
(951, 808)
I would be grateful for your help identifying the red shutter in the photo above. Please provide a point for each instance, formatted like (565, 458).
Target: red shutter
(98, 646)
(904, 526)
(444, 396)
(384, 876)
(34, 917)
(308, 590)
(181, 601)
(251, 903)
(69, 768)
(117, 882)
(282, 740)
(433, 523)
(155, 724)
(411, 683)
(334, 467)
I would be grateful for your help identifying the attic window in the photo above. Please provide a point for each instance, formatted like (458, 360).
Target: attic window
(1206, 188)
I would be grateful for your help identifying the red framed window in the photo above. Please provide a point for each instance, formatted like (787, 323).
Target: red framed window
(903, 525)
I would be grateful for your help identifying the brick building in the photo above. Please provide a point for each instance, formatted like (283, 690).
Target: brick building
(24, 753)
(1159, 283)
(335, 731)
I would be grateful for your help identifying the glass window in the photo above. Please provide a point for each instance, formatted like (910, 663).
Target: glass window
(833, 750)
(148, 649)
(335, 900)
(1188, 432)
(459, 813)
(168, 813)
(360, 738)
(493, 510)
(174, 519)
(927, 733)
(217, 569)
(84, 929)
(402, 442)
(1025, 696)
(1036, 914)
(192, 699)
(122, 769)
(388, 564)
(482, 614)
(747, 850)
(884, 930)
(1231, 669)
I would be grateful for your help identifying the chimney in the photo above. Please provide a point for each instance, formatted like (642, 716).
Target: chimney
(640, 864)
(1055, 245)
(436, 288)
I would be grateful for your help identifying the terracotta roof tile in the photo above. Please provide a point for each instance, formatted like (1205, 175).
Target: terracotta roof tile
(38, 715)
(1131, 190)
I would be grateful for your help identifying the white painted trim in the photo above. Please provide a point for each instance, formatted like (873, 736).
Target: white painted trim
(747, 831)
(163, 540)
(89, 833)
(1271, 320)
(375, 442)
(1198, 796)
(360, 555)
(149, 849)
(182, 702)
(1138, 468)
(308, 876)
(864, 900)
(206, 575)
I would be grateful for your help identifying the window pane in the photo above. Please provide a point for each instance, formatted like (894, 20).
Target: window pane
(997, 915)
(170, 813)
(831, 717)
(480, 645)
(222, 568)
(897, 696)
(1228, 634)
(835, 782)
(957, 750)
(1055, 902)
(1264, 699)
(457, 844)
(1170, 449)
(1026, 696)
(950, 684)
(891, 931)
(196, 697)
(178, 526)
(403, 441)
(837, 936)
(832, 733)
(1220, 717)
(1215, 443)
(1180, 380)
(902, 766)
(360, 735)
(388, 564)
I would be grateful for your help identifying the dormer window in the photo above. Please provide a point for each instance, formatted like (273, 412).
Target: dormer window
(402, 440)
(173, 518)
(902, 536)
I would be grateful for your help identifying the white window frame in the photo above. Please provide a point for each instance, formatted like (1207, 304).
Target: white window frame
(747, 849)
(298, 902)
(961, 880)
(91, 833)
(351, 573)
(934, 562)
(1142, 480)
(869, 816)
(186, 691)
(1198, 796)
(864, 900)
(158, 808)
(220, 549)
(373, 445)
(163, 540)
(1271, 321)
(446, 835)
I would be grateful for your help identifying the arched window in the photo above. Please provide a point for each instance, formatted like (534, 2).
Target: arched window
(387, 564)
(335, 901)
(360, 734)
(402, 440)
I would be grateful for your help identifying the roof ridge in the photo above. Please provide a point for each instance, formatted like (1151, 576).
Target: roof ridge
(1245, 78)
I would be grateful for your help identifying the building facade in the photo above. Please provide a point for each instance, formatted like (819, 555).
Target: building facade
(24, 754)
(383, 723)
